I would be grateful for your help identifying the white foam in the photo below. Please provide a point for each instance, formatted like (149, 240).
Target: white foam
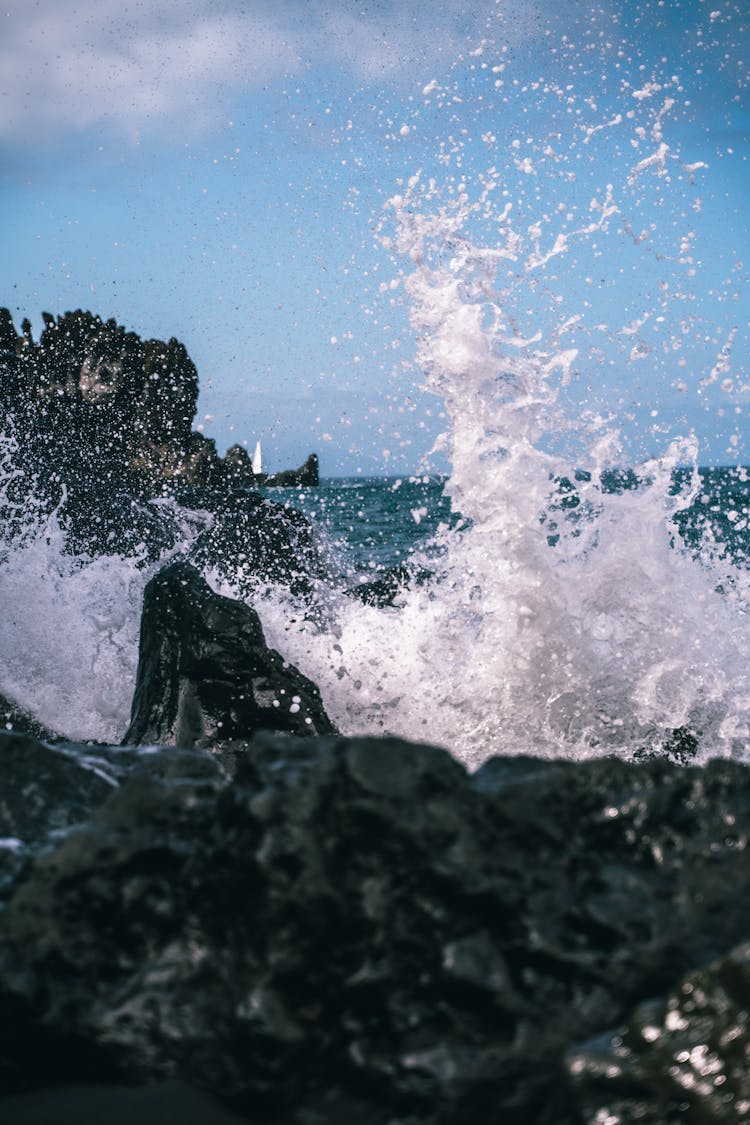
(607, 639)
(69, 636)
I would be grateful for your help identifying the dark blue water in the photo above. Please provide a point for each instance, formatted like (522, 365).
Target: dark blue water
(373, 523)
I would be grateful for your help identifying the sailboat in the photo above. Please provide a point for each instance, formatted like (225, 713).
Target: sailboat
(257, 460)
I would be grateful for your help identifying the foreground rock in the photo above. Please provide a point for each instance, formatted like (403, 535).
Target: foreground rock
(205, 673)
(694, 1041)
(117, 1105)
(356, 927)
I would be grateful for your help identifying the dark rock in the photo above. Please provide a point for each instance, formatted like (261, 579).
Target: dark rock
(681, 1058)
(205, 673)
(238, 467)
(8, 338)
(100, 518)
(92, 396)
(42, 790)
(251, 539)
(356, 922)
(391, 585)
(93, 401)
(306, 476)
(167, 1103)
(681, 745)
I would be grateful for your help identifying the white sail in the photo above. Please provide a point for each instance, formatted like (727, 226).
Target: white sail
(257, 460)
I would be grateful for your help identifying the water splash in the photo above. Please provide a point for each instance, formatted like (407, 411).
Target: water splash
(566, 617)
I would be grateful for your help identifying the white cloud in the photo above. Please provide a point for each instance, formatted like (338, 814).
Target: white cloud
(68, 64)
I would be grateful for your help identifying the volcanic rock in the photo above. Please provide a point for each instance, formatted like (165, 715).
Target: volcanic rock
(94, 401)
(205, 673)
(360, 922)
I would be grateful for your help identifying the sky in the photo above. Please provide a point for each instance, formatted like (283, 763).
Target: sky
(220, 171)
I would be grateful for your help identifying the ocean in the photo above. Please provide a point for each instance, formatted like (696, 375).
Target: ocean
(584, 614)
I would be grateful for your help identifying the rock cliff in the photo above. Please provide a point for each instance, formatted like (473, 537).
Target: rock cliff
(91, 397)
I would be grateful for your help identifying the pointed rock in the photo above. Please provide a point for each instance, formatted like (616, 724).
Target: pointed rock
(205, 673)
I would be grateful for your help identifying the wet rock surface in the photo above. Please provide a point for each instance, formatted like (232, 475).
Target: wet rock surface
(685, 1057)
(357, 927)
(205, 673)
(42, 789)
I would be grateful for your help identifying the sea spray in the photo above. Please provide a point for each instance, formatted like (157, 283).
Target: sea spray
(71, 620)
(565, 616)
(69, 635)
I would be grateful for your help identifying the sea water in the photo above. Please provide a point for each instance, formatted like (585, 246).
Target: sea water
(584, 597)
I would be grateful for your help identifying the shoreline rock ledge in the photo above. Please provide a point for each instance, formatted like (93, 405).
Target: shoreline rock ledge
(329, 930)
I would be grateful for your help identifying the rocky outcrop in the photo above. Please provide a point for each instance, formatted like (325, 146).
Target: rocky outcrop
(92, 398)
(391, 586)
(358, 930)
(680, 1057)
(205, 673)
(90, 395)
(306, 476)
(250, 539)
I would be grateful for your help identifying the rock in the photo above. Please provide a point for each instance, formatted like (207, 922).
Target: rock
(95, 401)
(250, 539)
(43, 790)
(238, 467)
(91, 395)
(360, 923)
(205, 673)
(390, 586)
(116, 1105)
(683, 1057)
(306, 476)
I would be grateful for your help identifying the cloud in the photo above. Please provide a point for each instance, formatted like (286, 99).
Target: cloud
(66, 65)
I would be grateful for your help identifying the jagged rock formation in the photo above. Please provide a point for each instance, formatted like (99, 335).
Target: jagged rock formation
(90, 396)
(356, 930)
(205, 673)
(306, 476)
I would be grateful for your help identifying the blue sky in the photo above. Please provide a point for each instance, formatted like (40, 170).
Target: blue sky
(218, 171)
